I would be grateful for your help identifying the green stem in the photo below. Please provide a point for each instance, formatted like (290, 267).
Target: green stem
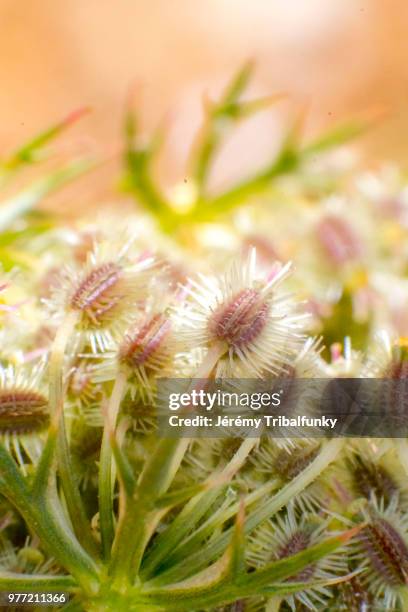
(10, 581)
(25, 201)
(70, 487)
(45, 518)
(139, 516)
(168, 541)
(200, 559)
(216, 520)
(106, 479)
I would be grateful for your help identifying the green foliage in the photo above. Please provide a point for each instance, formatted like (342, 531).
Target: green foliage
(162, 524)
(220, 117)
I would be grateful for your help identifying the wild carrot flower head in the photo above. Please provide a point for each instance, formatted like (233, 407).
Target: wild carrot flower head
(257, 326)
(104, 293)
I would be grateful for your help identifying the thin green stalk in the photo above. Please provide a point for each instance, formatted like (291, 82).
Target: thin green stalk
(194, 510)
(25, 201)
(44, 517)
(214, 522)
(200, 559)
(11, 581)
(106, 479)
(70, 487)
(32, 150)
(139, 515)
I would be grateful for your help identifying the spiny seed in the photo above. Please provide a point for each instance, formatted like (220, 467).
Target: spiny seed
(352, 597)
(369, 478)
(298, 542)
(22, 411)
(241, 321)
(97, 294)
(387, 552)
(143, 344)
(289, 465)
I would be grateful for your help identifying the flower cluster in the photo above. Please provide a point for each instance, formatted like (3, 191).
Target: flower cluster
(302, 281)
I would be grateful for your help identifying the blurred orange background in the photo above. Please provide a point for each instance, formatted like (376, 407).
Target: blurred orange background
(338, 57)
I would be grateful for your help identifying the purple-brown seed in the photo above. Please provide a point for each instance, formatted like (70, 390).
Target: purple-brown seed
(370, 478)
(240, 321)
(98, 293)
(289, 464)
(144, 343)
(297, 542)
(387, 552)
(22, 411)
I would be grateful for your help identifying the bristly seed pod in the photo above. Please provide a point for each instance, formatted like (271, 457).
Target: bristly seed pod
(22, 411)
(387, 551)
(246, 315)
(99, 292)
(383, 550)
(240, 321)
(144, 350)
(369, 478)
(104, 293)
(289, 464)
(145, 344)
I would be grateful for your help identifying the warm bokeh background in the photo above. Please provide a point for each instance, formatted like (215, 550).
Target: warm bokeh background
(339, 57)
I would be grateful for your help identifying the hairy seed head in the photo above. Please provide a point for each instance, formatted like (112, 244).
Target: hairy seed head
(97, 294)
(240, 321)
(387, 552)
(22, 411)
(296, 543)
(144, 343)
(371, 479)
(289, 464)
